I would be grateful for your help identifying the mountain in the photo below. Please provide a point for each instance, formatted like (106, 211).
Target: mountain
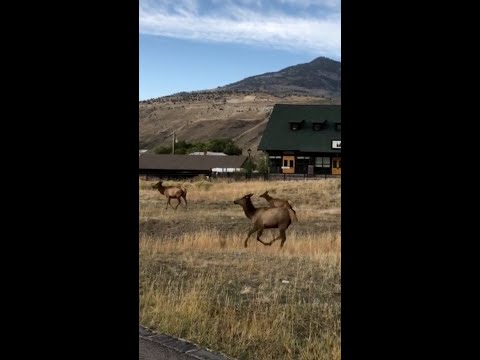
(321, 76)
(240, 110)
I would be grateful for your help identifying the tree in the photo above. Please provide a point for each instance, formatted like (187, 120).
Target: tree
(182, 147)
(226, 146)
(198, 146)
(232, 149)
(262, 165)
(181, 151)
(218, 145)
(162, 150)
(249, 167)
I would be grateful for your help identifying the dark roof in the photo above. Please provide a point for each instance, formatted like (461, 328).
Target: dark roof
(296, 122)
(187, 162)
(279, 136)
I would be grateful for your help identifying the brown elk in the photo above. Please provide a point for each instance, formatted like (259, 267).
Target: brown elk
(273, 202)
(265, 218)
(172, 192)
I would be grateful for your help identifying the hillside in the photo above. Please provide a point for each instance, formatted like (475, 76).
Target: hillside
(201, 116)
(239, 111)
(321, 76)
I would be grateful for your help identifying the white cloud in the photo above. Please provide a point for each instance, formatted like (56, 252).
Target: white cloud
(233, 23)
(333, 4)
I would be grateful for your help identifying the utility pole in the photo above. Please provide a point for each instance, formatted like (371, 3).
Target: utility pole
(174, 140)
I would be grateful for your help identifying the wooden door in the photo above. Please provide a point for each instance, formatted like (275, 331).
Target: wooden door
(288, 164)
(336, 166)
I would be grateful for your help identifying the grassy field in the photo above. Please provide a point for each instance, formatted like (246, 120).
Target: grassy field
(198, 282)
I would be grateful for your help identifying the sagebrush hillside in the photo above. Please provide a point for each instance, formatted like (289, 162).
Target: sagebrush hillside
(203, 116)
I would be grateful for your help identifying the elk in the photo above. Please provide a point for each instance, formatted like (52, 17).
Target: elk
(265, 218)
(273, 202)
(172, 192)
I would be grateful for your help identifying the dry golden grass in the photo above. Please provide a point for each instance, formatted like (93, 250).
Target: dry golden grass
(197, 281)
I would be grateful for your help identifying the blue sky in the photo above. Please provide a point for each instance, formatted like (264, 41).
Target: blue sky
(188, 45)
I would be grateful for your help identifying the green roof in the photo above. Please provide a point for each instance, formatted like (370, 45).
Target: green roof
(279, 136)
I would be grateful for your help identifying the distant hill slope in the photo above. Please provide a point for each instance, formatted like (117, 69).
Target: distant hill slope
(239, 110)
(321, 76)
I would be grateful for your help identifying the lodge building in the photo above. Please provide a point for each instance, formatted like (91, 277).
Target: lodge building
(303, 139)
(187, 166)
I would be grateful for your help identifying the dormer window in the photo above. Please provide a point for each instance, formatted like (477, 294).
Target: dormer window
(296, 125)
(338, 126)
(318, 125)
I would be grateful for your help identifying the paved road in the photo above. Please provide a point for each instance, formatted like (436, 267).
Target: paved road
(154, 346)
(149, 350)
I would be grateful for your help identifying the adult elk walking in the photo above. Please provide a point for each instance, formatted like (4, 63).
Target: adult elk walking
(172, 192)
(273, 202)
(265, 218)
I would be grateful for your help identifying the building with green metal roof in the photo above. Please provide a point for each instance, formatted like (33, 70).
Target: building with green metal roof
(303, 139)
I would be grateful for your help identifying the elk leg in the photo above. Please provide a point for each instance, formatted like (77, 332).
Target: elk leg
(271, 242)
(259, 233)
(178, 199)
(185, 199)
(281, 236)
(250, 232)
(168, 202)
(294, 215)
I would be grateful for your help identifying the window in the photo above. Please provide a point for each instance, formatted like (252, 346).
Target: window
(285, 163)
(322, 161)
(338, 127)
(302, 164)
(296, 125)
(319, 125)
(291, 163)
(275, 164)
